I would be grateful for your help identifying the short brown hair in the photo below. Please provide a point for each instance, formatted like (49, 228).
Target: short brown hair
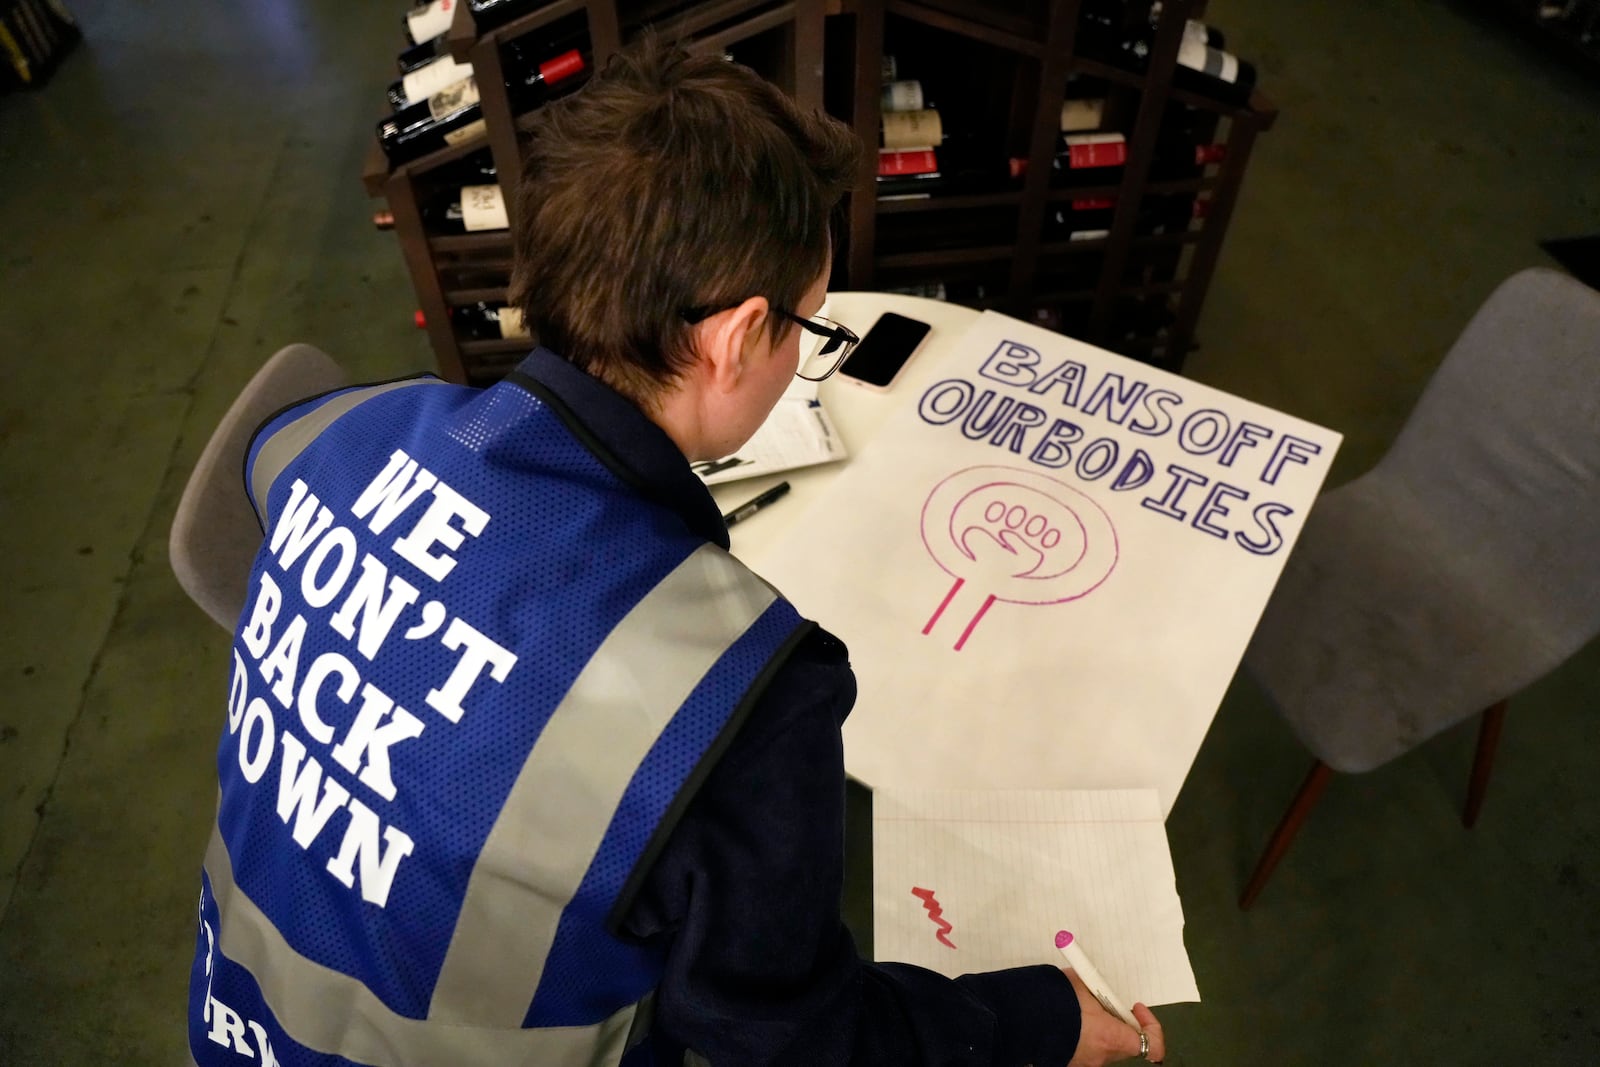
(670, 182)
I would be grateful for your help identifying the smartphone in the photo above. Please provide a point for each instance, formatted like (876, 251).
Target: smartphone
(884, 351)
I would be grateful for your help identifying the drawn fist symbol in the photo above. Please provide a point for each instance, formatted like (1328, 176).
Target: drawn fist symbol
(1009, 527)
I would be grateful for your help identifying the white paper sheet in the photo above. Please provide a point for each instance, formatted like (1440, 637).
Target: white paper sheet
(798, 433)
(1005, 870)
(1047, 565)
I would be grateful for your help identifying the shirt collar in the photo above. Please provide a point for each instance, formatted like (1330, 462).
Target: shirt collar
(625, 439)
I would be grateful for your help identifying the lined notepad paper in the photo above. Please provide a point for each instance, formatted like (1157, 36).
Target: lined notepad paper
(967, 880)
(798, 433)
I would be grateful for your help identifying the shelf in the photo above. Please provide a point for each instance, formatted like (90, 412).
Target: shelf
(465, 297)
(1097, 69)
(949, 203)
(461, 46)
(438, 157)
(487, 241)
(947, 257)
(964, 26)
(496, 347)
(1154, 240)
(745, 30)
(703, 17)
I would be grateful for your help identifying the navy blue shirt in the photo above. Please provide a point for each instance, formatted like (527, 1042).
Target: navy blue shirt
(760, 967)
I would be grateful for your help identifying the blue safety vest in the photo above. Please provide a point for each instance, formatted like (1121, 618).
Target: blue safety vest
(477, 678)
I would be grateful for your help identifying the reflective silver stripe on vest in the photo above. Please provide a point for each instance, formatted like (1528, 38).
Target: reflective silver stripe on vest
(335, 1014)
(279, 450)
(550, 828)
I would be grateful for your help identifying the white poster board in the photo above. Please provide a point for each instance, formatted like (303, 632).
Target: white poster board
(1047, 565)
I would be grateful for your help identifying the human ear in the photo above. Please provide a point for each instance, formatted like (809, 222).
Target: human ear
(730, 339)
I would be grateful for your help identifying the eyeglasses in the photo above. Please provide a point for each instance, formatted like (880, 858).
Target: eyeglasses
(822, 349)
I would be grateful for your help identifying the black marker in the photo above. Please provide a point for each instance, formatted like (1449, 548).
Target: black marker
(745, 510)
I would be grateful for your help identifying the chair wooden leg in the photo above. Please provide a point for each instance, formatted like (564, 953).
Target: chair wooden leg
(1488, 740)
(1310, 790)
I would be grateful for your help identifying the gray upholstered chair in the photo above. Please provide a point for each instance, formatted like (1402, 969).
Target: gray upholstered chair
(1461, 568)
(215, 533)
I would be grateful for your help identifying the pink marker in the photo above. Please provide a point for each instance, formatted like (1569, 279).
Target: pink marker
(1102, 991)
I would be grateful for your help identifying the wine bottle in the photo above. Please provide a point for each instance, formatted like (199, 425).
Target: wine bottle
(1085, 219)
(1082, 115)
(901, 163)
(911, 129)
(453, 115)
(475, 169)
(470, 209)
(1209, 71)
(428, 20)
(418, 55)
(903, 96)
(1192, 28)
(1098, 159)
(1081, 220)
(488, 14)
(448, 117)
(426, 80)
(543, 81)
(481, 322)
(488, 322)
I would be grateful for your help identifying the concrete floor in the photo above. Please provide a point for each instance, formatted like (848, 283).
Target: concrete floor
(183, 200)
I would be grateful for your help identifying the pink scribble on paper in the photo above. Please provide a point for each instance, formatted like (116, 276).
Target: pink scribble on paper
(1014, 535)
(934, 913)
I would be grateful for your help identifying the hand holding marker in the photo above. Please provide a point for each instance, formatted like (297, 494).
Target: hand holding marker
(1091, 978)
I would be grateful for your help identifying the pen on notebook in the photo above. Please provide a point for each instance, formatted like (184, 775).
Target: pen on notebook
(750, 507)
(1097, 985)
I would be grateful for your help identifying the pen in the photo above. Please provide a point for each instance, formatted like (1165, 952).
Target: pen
(750, 507)
(1091, 978)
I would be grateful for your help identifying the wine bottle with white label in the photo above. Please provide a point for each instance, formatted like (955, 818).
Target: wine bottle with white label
(488, 322)
(1104, 32)
(453, 114)
(426, 80)
(448, 117)
(470, 209)
(903, 96)
(428, 20)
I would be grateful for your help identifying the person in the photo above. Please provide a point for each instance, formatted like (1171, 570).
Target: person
(520, 765)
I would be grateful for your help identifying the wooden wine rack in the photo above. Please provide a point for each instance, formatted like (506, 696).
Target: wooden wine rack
(785, 39)
(1040, 37)
(829, 53)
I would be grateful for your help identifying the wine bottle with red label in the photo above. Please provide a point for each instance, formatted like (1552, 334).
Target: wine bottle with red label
(545, 80)
(1099, 158)
(453, 114)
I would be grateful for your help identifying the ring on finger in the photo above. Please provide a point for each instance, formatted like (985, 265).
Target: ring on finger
(1144, 1045)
